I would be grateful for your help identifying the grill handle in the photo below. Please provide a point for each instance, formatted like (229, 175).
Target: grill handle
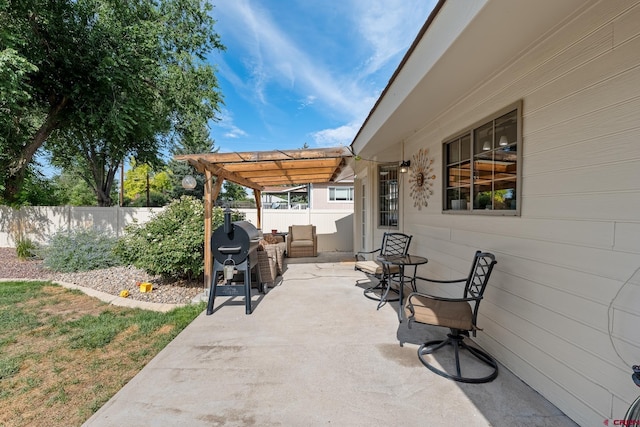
(229, 249)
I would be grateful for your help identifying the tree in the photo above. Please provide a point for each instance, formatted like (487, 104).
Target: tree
(14, 96)
(233, 192)
(142, 181)
(37, 190)
(196, 141)
(103, 80)
(71, 189)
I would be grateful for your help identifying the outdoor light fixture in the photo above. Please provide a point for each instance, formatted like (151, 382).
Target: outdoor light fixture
(404, 166)
(188, 182)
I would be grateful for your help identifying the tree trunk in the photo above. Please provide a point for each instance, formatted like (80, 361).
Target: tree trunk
(103, 199)
(18, 167)
(104, 188)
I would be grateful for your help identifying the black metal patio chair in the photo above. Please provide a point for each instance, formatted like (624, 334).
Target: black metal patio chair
(392, 244)
(460, 316)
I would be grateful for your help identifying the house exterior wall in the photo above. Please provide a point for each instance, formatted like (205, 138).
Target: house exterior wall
(561, 282)
(320, 196)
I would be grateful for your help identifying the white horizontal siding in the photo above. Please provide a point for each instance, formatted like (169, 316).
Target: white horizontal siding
(612, 205)
(554, 294)
(593, 150)
(627, 237)
(556, 347)
(619, 177)
(548, 379)
(626, 25)
(599, 262)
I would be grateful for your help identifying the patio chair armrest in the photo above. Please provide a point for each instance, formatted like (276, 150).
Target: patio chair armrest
(359, 254)
(441, 281)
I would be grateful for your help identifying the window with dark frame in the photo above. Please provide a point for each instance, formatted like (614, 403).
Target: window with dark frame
(481, 166)
(388, 196)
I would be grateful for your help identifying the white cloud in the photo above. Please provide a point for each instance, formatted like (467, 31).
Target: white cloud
(309, 100)
(274, 57)
(384, 23)
(235, 132)
(226, 123)
(342, 135)
(278, 61)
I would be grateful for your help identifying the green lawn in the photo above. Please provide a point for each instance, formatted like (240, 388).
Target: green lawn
(64, 354)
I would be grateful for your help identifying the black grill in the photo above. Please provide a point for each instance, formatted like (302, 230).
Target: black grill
(233, 246)
(236, 244)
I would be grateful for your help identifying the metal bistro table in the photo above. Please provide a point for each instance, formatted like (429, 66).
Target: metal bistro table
(401, 261)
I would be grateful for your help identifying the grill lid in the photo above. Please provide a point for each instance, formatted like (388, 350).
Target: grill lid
(234, 240)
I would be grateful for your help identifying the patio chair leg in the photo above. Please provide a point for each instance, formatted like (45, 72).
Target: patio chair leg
(457, 341)
(384, 289)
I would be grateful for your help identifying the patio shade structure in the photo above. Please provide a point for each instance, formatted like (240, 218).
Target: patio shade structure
(257, 169)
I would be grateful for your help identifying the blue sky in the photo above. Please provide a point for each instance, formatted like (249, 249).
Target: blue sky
(306, 71)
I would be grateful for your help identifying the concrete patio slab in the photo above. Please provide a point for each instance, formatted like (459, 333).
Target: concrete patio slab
(314, 352)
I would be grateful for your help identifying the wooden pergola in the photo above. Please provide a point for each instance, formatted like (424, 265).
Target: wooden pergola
(258, 169)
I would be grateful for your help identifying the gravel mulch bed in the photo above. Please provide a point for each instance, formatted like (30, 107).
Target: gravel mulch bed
(110, 280)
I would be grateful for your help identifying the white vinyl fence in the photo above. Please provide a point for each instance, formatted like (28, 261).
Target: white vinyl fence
(39, 223)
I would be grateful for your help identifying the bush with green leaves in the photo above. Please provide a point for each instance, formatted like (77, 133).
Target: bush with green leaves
(172, 243)
(80, 250)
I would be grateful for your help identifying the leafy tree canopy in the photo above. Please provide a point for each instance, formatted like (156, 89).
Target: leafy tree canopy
(71, 189)
(142, 177)
(197, 142)
(233, 191)
(101, 80)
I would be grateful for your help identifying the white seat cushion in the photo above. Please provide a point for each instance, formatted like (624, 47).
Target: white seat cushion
(374, 267)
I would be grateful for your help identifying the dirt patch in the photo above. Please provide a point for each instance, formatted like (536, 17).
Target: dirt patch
(70, 304)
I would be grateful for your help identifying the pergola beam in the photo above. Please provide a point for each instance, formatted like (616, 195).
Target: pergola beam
(270, 173)
(261, 156)
(282, 165)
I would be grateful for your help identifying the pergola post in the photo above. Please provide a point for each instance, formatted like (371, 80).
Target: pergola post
(258, 195)
(210, 194)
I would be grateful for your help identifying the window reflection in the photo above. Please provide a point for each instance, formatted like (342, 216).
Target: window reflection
(488, 181)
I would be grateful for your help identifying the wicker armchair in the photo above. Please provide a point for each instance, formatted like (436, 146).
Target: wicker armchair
(302, 241)
(267, 266)
(271, 262)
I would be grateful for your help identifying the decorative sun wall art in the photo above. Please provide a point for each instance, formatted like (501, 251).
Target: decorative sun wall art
(421, 178)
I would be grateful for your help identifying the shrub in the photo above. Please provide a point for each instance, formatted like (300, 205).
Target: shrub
(26, 249)
(172, 243)
(80, 250)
